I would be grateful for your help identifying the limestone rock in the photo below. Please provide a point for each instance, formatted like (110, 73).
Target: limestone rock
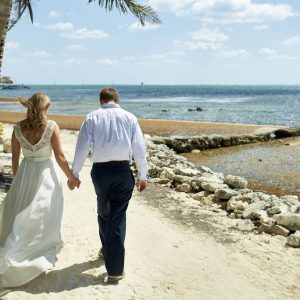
(273, 229)
(290, 221)
(236, 181)
(6, 146)
(294, 239)
(225, 194)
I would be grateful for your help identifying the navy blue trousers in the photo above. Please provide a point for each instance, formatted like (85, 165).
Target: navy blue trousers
(113, 184)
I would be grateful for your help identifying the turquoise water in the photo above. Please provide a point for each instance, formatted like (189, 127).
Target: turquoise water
(276, 105)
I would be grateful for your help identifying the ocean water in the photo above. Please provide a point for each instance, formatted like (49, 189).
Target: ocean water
(249, 104)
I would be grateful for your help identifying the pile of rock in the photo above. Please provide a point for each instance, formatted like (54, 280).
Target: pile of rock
(182, 144)
(260, 211)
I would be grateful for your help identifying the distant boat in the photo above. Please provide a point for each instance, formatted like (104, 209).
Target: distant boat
(13, 86)
(142, 83)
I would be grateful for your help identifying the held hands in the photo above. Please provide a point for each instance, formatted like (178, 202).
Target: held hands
(141, 185)
(73, 182)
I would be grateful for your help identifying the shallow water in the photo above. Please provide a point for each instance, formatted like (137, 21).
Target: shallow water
(270, 104)
(272, 166)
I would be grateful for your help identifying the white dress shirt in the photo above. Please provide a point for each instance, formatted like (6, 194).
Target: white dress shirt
(114, 135)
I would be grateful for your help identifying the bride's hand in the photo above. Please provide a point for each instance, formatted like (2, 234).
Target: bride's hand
(73, 182)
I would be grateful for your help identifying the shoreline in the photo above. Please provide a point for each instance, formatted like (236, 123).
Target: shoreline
(155, 126)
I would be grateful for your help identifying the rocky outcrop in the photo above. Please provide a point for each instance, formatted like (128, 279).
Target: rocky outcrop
(286, 132)
(253, 210)
(182, 144)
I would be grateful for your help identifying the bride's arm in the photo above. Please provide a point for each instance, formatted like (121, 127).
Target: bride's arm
(15, 149)
(60, 157)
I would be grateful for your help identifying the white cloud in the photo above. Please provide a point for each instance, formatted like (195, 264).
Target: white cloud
(37, 54)
(84, 33)
(178, 7)
(76, 48)
(61, 26)
(137, 27)
(108, 61)
(205, 39)
(227, 11)
(76, 62)
(274, 55)
(261, 27)
(11, 45)
(240, 53)
(54, 13)
(295, 40)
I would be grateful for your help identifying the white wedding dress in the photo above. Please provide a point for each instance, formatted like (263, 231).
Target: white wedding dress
(30, 215)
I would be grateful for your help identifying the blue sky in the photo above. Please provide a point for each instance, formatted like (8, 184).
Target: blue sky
(199, 42)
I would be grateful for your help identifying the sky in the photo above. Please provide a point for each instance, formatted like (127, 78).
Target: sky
(198, 42)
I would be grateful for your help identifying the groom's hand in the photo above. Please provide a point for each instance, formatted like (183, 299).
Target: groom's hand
(74, 182)
(141, 185)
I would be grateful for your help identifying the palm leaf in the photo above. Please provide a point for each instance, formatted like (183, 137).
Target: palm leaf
(19, 7)
(144, 13)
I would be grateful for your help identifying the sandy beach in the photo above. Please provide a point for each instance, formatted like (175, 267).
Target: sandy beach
(175, 250)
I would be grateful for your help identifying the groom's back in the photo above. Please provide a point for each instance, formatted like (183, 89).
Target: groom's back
(112, 132)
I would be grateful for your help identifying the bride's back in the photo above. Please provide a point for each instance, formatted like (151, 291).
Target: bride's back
(33, 136)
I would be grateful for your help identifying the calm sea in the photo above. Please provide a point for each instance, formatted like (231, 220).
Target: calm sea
(268, 104)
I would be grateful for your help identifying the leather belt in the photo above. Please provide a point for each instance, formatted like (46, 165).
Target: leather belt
(112, 162)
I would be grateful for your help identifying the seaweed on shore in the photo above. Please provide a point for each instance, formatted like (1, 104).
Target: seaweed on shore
(6, 178)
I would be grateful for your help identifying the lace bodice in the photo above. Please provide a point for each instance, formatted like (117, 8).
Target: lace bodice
(42, 149)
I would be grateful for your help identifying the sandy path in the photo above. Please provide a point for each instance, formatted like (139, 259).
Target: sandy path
(165, 259)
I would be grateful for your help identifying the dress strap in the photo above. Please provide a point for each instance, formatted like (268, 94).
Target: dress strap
(17, 130)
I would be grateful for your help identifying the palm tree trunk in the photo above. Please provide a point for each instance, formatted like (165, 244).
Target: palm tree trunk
(5, 12)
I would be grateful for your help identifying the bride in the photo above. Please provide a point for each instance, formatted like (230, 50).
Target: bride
(30, 215)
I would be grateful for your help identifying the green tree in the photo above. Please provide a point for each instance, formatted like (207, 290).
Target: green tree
(12, 10)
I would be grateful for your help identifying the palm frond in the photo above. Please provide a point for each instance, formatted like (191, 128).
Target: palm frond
(144, 13)
(19, 7)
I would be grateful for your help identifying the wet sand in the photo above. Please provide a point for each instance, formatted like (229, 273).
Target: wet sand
(155, 127)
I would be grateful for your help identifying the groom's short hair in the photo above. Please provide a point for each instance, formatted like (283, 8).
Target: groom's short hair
(109, 94)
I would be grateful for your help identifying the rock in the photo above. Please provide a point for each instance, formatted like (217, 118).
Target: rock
(236, 181)
(167, 173)
(213, 186)
(6, 146)
(290, 221)
(157, 140)
(199, 108)
(251, 212)
(205, 170)
(273, 229)
(278, 208)
(160, 180)
(199, 196)
(186, 172)
(225, 194)
(236, 204)
(196, 151)
(186, 188)
(210, 177)
(245, 225)
(182, 179)
(294, 239)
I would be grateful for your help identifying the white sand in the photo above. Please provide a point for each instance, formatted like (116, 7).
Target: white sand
(164, 260)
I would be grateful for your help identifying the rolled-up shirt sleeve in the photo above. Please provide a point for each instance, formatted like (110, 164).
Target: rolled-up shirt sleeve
(139, 152)
(82, 146)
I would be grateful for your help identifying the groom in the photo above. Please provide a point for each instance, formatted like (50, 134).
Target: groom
(114, 136)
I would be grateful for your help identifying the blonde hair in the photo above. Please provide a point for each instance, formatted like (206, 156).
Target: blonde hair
(37, 106)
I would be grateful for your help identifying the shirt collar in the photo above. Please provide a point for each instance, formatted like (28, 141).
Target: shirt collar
(110, 105)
